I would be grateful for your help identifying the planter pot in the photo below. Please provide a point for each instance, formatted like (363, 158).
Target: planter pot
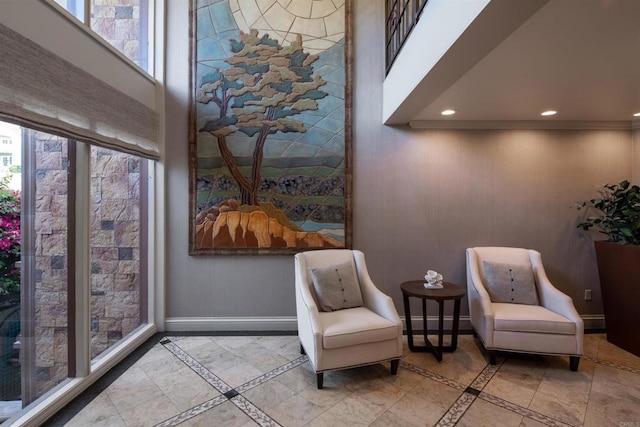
(619, 270)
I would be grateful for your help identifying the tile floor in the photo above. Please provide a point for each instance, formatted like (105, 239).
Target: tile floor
(249, 380)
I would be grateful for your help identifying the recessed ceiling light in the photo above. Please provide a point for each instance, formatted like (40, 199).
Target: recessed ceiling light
(448, 112)
(549, 113)
(636, 115)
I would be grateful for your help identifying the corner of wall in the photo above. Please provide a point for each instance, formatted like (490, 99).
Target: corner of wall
(635, 155)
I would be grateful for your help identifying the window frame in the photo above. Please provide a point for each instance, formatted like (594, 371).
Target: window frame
(82, 369)
(86, 27)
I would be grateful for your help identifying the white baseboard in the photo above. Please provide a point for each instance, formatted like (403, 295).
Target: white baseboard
(203, 324)
(288, 323)
(593, 321)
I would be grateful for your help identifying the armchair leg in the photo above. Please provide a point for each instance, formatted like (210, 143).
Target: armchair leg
(319, 377)
(492, 356)
(394, 366)
(573, 362)
(302, 350)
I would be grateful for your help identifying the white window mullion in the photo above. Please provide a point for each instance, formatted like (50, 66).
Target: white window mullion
(83, 260)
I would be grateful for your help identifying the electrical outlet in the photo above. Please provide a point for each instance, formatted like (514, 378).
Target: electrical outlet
(587, 294)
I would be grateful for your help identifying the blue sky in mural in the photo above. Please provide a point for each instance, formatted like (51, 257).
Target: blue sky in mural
(325, 126)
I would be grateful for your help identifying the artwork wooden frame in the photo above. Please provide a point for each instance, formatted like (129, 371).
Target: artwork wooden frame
(269, 126)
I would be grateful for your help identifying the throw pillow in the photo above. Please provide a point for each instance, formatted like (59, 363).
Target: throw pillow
(336, 286)
(510, 283)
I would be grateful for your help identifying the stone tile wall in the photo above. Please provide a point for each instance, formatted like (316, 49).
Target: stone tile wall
(118, 22)
(115, 247)
(115, 254)
(51, 337)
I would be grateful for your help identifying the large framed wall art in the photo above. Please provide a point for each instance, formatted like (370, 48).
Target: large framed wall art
(270, 126)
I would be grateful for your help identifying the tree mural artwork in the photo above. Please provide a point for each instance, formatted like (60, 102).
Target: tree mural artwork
(265, 85)
(262, 87)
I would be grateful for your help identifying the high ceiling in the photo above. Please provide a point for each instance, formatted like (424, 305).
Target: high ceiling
(578, 57)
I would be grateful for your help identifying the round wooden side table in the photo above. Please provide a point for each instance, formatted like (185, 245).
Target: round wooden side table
(450, 291)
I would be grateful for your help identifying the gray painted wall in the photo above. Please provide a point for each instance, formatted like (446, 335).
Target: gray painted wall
(420, 197)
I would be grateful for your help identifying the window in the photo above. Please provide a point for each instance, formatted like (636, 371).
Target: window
(45, 342)
(124, 24)
(6, 160)
(75, 7)
(40, 308)
(117, 255)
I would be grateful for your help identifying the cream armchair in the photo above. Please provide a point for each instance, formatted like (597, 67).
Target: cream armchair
(551, 325)
(349, 337)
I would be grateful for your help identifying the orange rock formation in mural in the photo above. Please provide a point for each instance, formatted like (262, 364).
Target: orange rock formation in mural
(227, 228)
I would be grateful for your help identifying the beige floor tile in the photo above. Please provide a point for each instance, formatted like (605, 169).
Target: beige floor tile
(389, 419)
(185, 388)
(426, 403)
(132, 389)
(266, 362)
(462, 366)
(150, 412)
(326, 397)
(250, 350)
(528, 422)
(612, 353)
(614, 398)
(215, 360)
(616, 383)
(269, 394)
(285, 346)
(568, 410)
(225, 414)
(485, 414)
(230, 343)
(159, 386)
(295, 411)
(380, 393)
(100, 412)
(405, 379)
(352, 411)
(298, 378)
(606, 410)
(562, 384)
(354, 378)
(156, 352)
(591, 344)
(161, 364)
(200, 342)
(239, 374)
(517, 380)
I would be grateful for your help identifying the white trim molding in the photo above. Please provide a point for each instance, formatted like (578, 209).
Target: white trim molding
(289, 323)
(522, 124)
(201, 324)
(591, 322)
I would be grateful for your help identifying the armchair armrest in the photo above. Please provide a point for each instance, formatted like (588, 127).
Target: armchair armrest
(480, 308)
(474, 284)
(309, 326)
(373, 298)
(551, 297)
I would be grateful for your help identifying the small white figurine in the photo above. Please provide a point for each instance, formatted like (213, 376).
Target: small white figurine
(434, 280)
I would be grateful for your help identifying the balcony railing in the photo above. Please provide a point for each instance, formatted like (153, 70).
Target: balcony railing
(402, 16)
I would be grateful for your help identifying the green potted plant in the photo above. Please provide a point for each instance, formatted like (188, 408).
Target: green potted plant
(616, 214)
